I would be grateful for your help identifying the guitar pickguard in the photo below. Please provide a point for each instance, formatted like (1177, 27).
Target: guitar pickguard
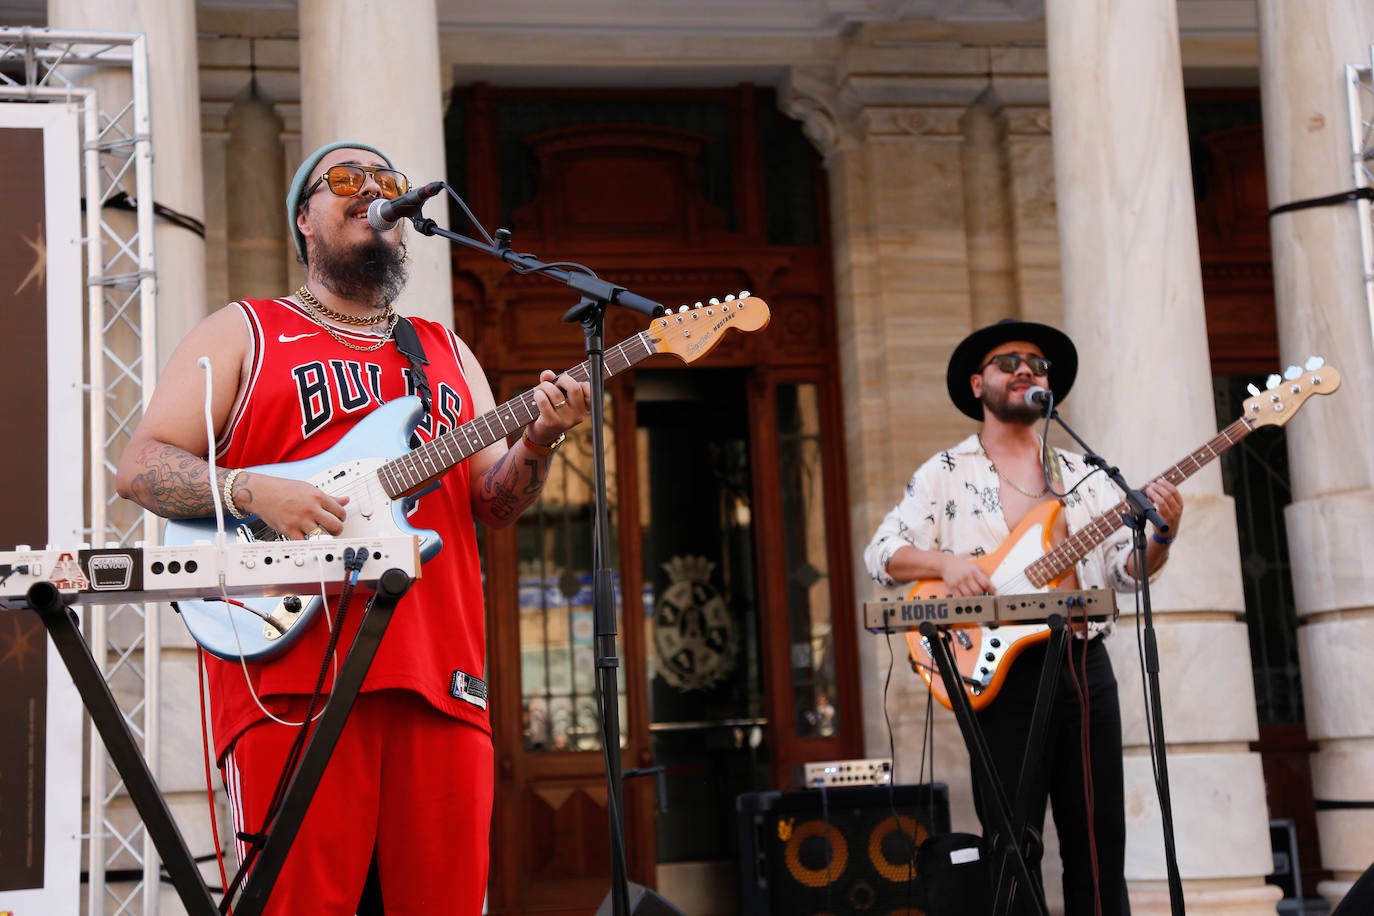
(1009, 575)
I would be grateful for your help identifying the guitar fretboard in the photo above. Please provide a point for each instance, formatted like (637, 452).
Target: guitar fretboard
(1061, 559)
(418, 467)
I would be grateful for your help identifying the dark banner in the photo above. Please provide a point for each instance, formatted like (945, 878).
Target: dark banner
(24, 498)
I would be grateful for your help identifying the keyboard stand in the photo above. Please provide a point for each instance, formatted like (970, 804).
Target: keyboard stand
(54, 609)
(391, 586)
(1011, 843)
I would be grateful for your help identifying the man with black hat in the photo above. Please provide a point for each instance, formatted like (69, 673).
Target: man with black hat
(959, 508)
(408, 789)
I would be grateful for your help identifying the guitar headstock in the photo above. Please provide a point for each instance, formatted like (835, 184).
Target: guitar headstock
(692, 332)
(1290, 391)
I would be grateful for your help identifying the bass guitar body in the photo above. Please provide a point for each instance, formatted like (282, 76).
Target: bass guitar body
(983, 654)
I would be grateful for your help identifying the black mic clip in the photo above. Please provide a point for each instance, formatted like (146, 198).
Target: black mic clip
(1042, 398)
(383, 214)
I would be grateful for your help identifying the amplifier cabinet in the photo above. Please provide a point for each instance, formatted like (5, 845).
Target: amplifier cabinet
(842, 850)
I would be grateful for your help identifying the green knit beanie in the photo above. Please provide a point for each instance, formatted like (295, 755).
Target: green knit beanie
(293, 197)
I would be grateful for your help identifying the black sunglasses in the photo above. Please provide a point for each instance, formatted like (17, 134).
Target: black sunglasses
(1008, 362)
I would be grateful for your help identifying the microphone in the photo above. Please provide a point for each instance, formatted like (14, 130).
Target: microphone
(1040, 397)
(383, 215)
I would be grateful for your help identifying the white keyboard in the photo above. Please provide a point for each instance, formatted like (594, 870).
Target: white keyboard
(116, 575)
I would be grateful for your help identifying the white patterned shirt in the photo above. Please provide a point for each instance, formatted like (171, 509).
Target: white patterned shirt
(953, 504)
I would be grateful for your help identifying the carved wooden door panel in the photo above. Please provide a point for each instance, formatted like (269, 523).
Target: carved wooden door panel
(735, 650)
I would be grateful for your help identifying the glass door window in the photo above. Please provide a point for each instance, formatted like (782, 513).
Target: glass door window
(801, 485)
(559, 709)
(705, 691)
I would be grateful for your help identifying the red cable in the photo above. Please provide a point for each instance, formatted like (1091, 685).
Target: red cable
(205, 754)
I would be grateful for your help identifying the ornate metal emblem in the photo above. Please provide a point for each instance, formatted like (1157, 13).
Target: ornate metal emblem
(694, 634)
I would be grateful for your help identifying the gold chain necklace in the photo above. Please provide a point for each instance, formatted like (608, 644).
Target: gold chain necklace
(1007, 480)
(309, 299)
(318, 310)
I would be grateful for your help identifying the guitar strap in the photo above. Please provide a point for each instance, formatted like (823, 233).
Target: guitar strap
(408, 342)
(1049, 459)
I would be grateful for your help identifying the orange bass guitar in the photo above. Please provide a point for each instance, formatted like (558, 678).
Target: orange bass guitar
(1029, 562)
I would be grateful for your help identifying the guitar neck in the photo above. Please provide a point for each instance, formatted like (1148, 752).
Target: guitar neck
(416, 468)
(1061, 559)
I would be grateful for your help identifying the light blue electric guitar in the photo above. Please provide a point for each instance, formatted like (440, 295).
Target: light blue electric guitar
(374, 466)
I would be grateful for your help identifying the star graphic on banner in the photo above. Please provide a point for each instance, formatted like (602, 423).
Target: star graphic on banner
(23, 641)
(40, 259)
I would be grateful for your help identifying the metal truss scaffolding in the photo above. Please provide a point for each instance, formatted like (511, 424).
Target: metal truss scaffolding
(1360, 85)
(105, 76)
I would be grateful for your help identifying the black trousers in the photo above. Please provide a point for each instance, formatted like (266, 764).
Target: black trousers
(1006, 723)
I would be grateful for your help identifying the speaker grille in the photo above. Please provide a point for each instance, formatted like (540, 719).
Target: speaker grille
(843, 850)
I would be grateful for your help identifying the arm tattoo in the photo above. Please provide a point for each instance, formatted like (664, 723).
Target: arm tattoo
(243, 490)
(509, 488)
(536, 481)
(174, 483)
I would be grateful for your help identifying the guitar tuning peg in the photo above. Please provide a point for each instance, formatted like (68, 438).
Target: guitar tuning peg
(1254, 392)
(698, 305)
(1272, 382)
(1314, 362)
(744, 294)
(714, 301)
(681, 309)
(730, 298)
(1292, 372)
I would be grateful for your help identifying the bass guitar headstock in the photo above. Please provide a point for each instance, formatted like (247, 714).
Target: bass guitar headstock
(1286, 393)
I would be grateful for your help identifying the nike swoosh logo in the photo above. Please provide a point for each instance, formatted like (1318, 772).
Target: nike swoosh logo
(282, 338)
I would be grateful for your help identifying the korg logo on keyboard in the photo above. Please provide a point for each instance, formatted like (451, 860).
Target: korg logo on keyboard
(914, 612)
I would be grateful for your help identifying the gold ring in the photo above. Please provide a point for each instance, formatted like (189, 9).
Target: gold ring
(560, 405)
(314, 532)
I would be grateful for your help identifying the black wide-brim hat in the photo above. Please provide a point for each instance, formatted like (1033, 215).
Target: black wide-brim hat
(967, 358)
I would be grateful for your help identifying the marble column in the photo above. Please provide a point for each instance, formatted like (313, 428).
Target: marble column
(1034, 230)
(290, 139)
(255, 165)
(988, 205)
(374, 76)
(1322, 309)
(214, 147)
(1133, 304)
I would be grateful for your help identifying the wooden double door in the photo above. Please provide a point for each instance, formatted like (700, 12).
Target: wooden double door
(734, 655)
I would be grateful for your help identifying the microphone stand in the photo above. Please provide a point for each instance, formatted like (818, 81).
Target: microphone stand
(595, 295)
(1139, 511)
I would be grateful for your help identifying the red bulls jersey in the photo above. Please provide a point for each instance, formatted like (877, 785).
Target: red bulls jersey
(302, 390)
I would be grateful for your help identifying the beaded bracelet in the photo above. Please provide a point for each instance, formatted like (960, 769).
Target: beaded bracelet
(1162, 542)
(229, 494)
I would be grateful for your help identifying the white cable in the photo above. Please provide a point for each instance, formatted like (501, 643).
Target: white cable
(243, 662)
(221, 544)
